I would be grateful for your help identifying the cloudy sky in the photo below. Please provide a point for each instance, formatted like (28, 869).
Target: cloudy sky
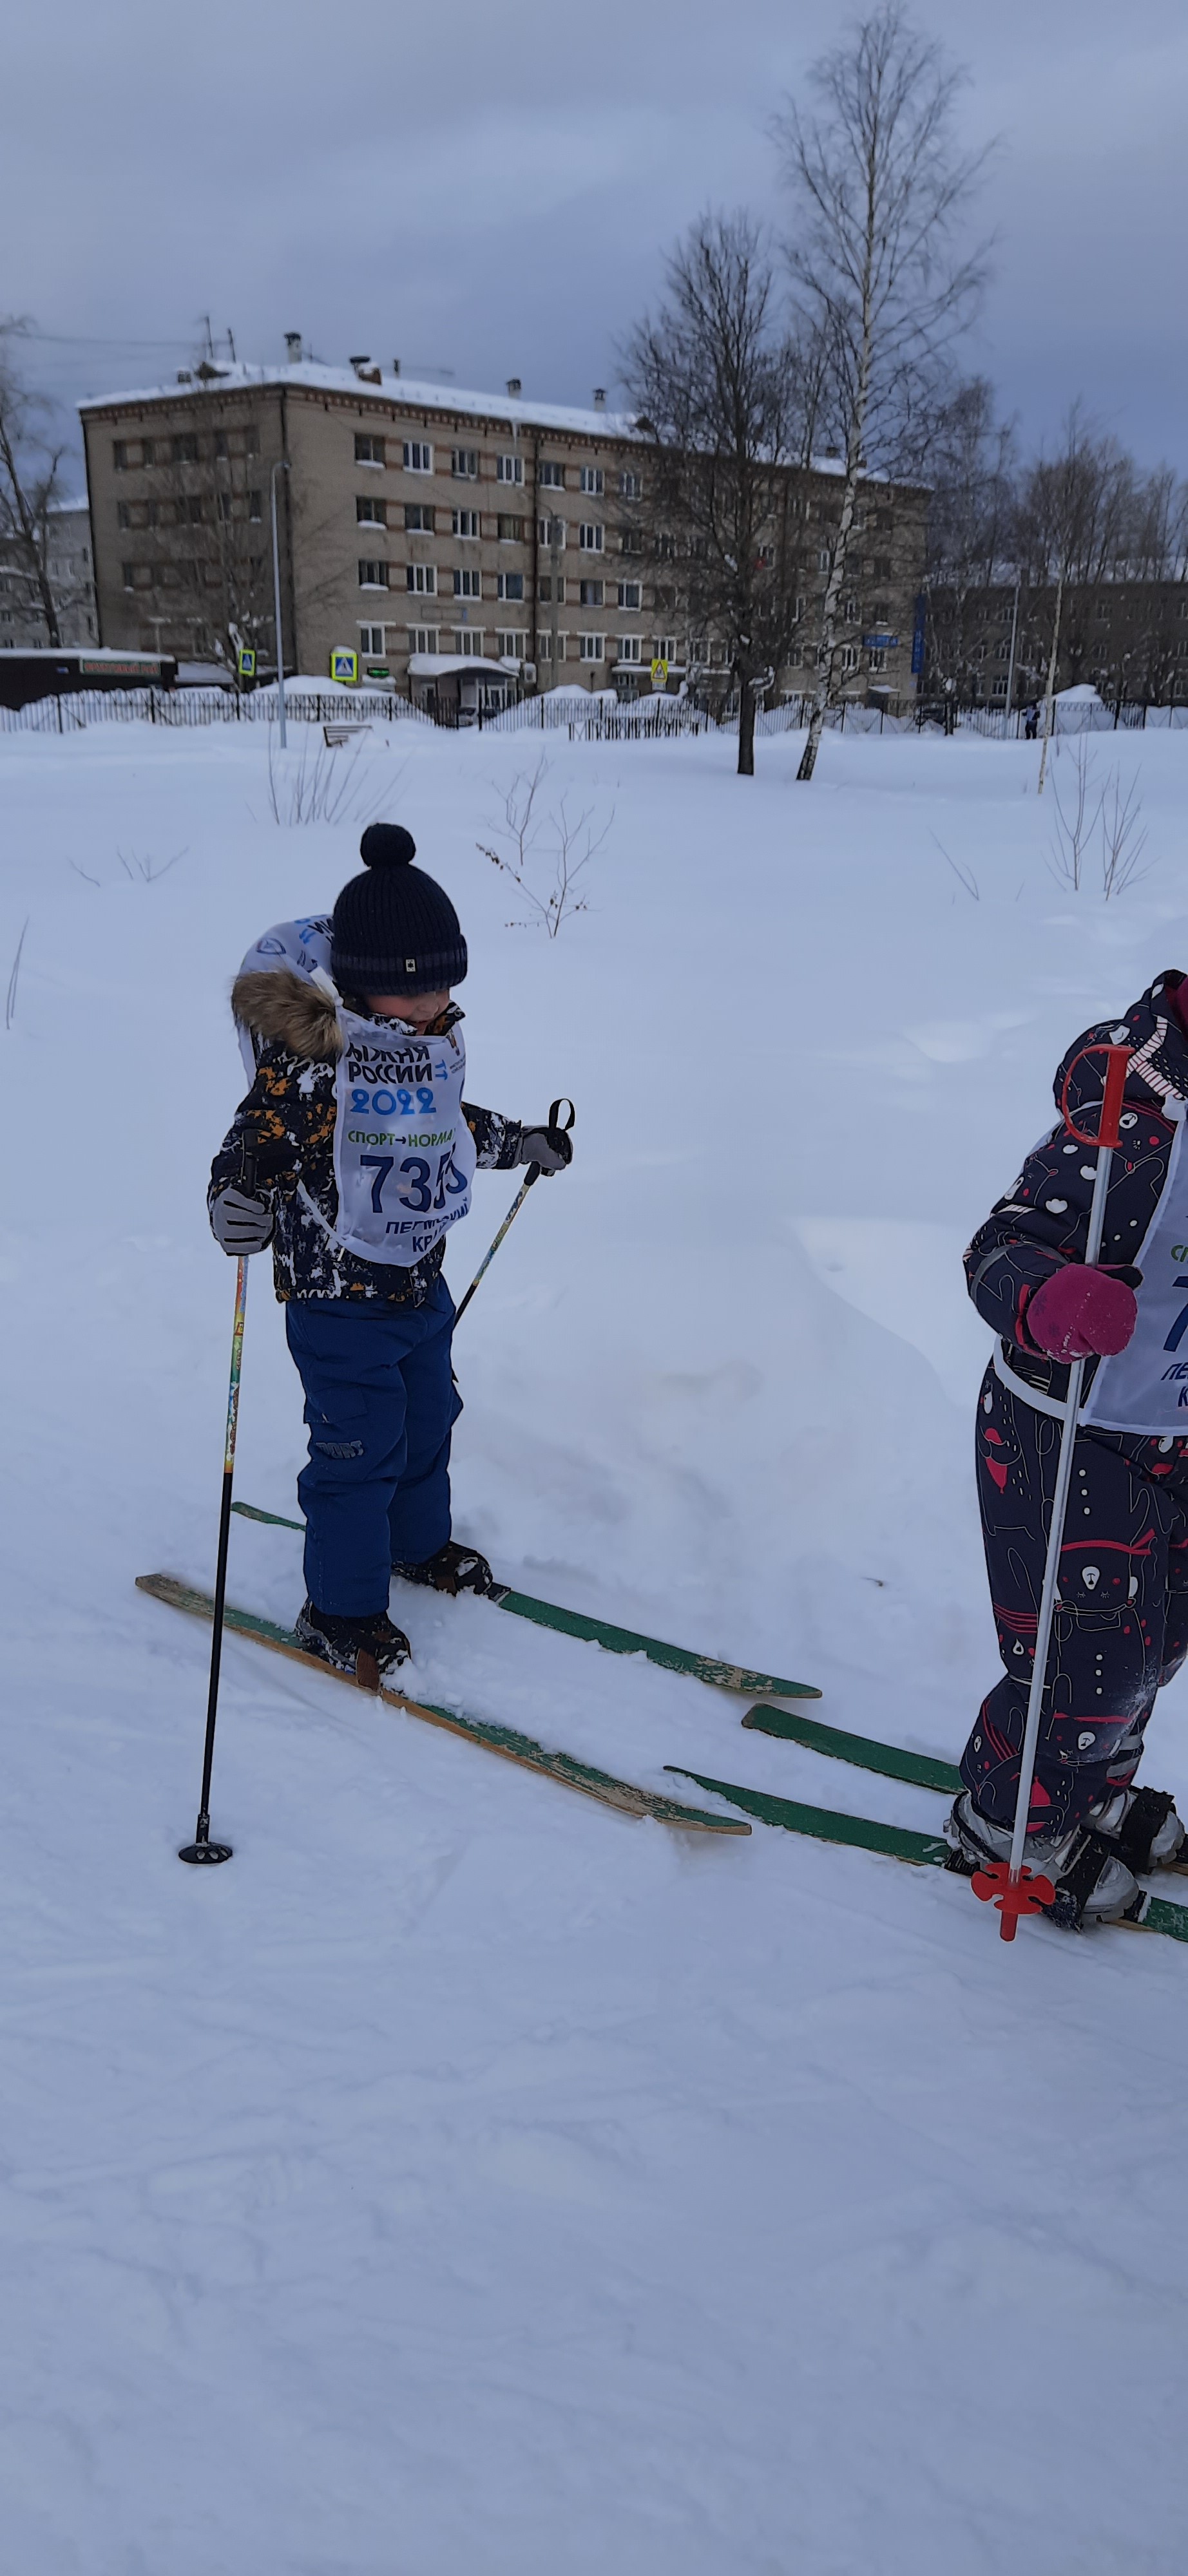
(489, 186)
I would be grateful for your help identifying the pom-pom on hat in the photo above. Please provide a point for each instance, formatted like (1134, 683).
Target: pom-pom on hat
(394, 930)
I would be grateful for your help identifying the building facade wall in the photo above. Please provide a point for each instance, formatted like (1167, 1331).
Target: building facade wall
(71, 580)
(410, 526)
(1128, 639)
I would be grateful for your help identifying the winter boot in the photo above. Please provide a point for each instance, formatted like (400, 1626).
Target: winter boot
(365, 1648)
(453, 1569)
(1144, 1829)
(1094, 1882)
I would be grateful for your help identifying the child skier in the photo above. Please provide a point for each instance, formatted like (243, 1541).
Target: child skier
(1121, 1626)
(353, 1154)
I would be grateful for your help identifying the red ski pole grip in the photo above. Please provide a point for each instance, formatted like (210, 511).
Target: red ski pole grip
(1117, 1064)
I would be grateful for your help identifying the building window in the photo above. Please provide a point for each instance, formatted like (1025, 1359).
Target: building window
(368, 450)
(464, 464)
(371, 639)
(849, 657)
(469, 640)
(129, 571)
(880, 613)
(251, 440)
(590, 537)
(468, 585)
(553, 476)
(423, 578)
(630, 648)
(123, 515)
(825, 560)
(422, 639)
(254, 509)
(999, 689)
(465, 523)
(698, 649)
(224, 505)
(509, 585)
(551, 587)
(185, 448)
(509, 469)
(876, 659)
(591, 648)
(551, 532)
(418, 517)
(544, 647)
(373, 576)
(371, 511)
(882, 567)
(850, 612)
(222, 444)
(764, 558)
(590, 593)
(629, 486)
(511, 647)
(511, 531)
(119, 455)
(148, 453)
(418, 456)
(629, 594)
(631, 541)
(664, 648)
(590, 479)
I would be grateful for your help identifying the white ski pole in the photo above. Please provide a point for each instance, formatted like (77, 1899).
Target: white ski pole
(1010, 1883)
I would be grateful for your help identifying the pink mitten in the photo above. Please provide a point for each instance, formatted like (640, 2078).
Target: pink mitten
(1080, 1311)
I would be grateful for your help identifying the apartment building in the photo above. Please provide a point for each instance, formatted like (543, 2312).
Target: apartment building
(69, 572)
(424, 530)
(1129, 639)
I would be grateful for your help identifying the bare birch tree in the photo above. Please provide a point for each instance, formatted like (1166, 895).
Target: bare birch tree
(29, 478)
(716, 383)
(881, 192)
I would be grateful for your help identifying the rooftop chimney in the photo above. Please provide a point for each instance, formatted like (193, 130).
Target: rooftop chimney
(514, 386)
(395, 366)
(600, 397)
(367, 374)
(293, 348)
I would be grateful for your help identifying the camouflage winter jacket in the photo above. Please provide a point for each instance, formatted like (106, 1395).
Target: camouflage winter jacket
(1043, 1220)
(286, 1124)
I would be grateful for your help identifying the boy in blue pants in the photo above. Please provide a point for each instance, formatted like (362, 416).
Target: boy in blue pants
(353, 1155)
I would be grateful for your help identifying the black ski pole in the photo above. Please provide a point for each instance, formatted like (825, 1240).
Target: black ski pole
(202, 1850)
(555, 1129)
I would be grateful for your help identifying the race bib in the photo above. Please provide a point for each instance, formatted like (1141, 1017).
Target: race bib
(404, 1156)
(1145, 1387)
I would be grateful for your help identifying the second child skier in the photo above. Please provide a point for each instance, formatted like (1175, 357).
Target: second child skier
(353, 1154)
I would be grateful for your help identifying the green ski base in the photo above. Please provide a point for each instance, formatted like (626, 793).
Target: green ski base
(924, 1770)
(600, 1632)
(892, 1842)
(504, 1740)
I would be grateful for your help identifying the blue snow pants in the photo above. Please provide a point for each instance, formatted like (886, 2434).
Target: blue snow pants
(381, 1405)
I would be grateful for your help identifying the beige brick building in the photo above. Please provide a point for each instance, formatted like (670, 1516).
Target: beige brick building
(422, 529)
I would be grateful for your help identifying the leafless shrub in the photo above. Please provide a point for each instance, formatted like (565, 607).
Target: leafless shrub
(316, 784)
(10, 1000)
(1123, 835)
(964, 875)
(146, 869)
(1076, 822)
(560, 841)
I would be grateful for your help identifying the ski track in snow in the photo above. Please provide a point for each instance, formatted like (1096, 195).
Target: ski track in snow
(469, 2181)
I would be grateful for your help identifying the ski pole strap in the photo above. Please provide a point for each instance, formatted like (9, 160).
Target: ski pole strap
(1117, 1064)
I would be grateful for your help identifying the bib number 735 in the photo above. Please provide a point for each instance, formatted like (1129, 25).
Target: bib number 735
(420, 1190)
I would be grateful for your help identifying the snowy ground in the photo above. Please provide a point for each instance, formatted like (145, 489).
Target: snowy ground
(468, 2181)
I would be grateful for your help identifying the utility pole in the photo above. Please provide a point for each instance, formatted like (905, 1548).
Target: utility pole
(1011, 669)
(281, 467)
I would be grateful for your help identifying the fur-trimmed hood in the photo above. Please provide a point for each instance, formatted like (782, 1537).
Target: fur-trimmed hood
(273, 1002)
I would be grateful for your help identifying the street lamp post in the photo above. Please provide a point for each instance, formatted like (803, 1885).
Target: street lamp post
(281, 467)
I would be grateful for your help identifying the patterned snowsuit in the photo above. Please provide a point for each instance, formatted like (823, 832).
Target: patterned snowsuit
(1121, 1626)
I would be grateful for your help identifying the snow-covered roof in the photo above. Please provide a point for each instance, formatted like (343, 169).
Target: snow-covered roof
(437, 666)
(452, 401)
(447, 399)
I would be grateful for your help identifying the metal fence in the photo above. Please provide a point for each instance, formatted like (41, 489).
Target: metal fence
(186, 708)
(632, 720)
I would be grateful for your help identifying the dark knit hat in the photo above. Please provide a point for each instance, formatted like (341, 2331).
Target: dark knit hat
(394, 930)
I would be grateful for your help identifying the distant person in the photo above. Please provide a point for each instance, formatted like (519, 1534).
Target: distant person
(1121, 1626)
(1031, 722)
(353, 1155)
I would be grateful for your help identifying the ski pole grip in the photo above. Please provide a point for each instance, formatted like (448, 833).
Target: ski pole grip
(557, 1125)
(1109, 1130)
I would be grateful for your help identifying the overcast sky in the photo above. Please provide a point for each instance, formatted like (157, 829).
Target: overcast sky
(490, 185)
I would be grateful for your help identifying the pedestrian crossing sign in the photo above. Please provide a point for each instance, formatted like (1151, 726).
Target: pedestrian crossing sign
(344, 665)
(246, 663)
(659, 675)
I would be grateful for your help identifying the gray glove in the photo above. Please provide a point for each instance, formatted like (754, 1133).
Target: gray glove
(548, 1147)
(239, 1223)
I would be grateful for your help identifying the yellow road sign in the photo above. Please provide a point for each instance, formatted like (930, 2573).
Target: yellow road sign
(344, 665)
(659, 674)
